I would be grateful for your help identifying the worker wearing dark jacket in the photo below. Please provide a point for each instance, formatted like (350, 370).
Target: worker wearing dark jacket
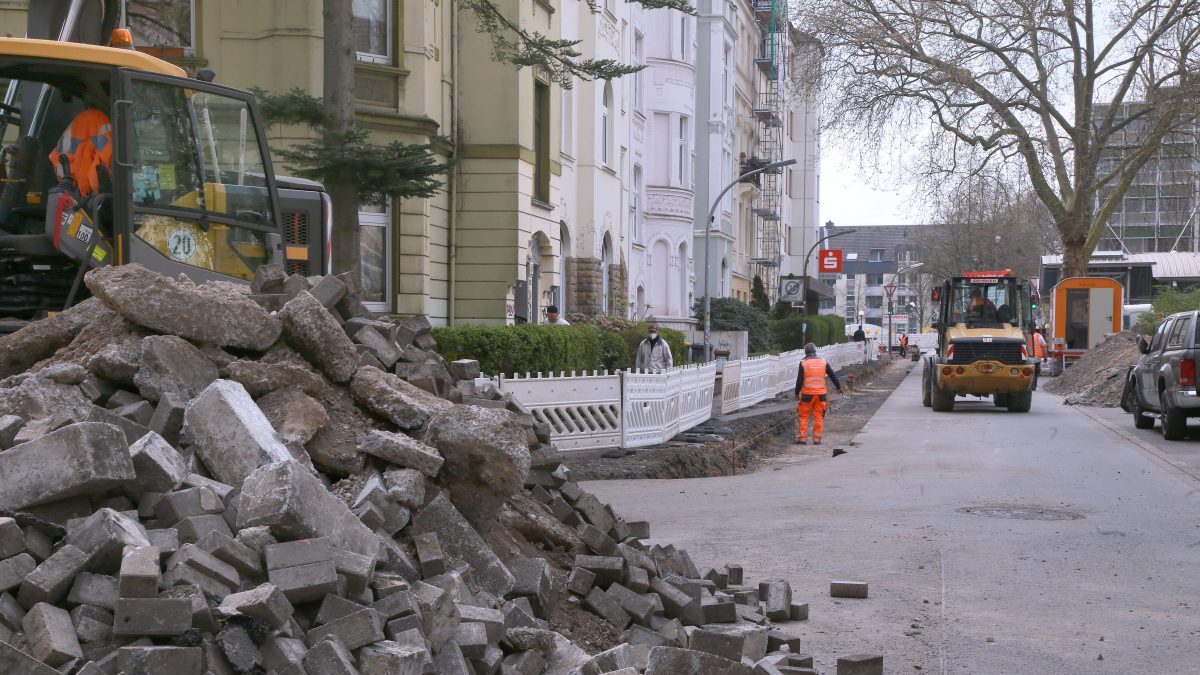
(810, 394)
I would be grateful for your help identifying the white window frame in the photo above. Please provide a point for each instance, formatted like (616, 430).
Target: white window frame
(384, 59)
(605, 124)
(381, 219)
(638, 181)
(639, 59)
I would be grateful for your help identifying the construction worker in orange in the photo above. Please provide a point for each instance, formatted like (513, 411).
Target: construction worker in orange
(811, 394)
(86, 144)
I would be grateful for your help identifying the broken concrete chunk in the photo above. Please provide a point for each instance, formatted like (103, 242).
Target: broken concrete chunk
(265, 602)
(311, 330)
(80, 459)
(207, 313)
(385, 350)
(171, 365)
(230, 434)
(393, 399)
(158, 466)
(260, 378)
(403, 451)
(296, 416)
(460, 540)
(295, 504)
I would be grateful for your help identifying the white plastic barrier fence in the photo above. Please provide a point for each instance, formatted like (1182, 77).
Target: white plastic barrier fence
(583, 411)
(633, 409)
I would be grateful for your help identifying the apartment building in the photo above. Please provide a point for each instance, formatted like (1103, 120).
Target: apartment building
(873, 258)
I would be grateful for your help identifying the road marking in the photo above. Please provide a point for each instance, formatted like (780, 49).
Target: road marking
(1165, 458)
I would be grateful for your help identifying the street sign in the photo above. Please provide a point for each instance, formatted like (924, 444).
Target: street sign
(830, 260)
(890, 289)
(791, 290)
(899, 317)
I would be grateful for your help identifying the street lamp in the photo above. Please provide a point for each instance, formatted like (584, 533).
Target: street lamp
(712, 214)
(898, 272)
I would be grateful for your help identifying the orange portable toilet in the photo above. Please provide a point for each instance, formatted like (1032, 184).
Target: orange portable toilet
(1083, 312)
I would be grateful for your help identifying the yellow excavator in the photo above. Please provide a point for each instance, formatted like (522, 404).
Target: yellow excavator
(985, 324)
(178, 179)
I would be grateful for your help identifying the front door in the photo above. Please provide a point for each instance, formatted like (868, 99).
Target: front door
(1100, 316)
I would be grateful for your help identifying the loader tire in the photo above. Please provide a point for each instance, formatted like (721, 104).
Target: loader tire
(1020, 401)
(940, 399)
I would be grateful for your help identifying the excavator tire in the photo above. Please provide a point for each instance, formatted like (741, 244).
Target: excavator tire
(940, 399)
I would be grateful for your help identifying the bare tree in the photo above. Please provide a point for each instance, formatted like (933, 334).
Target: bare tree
(1076, 93)
(339, 61)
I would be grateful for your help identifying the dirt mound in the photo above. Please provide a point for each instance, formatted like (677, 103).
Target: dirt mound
(1098, 377)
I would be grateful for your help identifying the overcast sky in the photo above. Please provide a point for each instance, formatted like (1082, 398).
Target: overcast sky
(852, 196)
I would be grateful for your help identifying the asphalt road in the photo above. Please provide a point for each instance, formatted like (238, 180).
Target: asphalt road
(993, 542)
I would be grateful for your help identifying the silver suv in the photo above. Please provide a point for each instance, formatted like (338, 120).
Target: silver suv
(1162, 384)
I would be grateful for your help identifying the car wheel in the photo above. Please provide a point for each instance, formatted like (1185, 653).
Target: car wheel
(1174, 422)
(1140, 419)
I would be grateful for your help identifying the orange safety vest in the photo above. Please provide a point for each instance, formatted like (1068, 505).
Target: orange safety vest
(87, 143)
(1039, 346)
(814, 376)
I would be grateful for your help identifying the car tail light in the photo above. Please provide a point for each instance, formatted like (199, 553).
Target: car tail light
(947, 370)
(1027, 372)
(960, 370)
(1187, 372)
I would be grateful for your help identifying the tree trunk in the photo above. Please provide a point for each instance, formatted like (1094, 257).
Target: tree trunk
(340, 57)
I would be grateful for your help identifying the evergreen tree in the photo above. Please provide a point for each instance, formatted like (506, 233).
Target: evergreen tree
(758, 295)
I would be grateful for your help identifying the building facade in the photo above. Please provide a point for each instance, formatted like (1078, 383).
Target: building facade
(873, 258)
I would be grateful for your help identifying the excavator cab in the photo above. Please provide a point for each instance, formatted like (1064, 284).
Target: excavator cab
(188, 188)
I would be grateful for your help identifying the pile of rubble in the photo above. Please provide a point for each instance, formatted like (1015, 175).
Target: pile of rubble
(218, 479)
(1098, 377)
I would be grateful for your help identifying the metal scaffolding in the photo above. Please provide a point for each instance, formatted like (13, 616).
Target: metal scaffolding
(768, 111)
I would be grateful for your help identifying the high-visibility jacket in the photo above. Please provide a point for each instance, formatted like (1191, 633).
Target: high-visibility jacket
(1039, 346)
(87, 143)
(811, 380)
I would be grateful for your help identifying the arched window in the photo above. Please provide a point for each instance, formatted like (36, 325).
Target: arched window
(606, 124)
(641, 304)
(660, 278)
(564, 252)
(605, 262)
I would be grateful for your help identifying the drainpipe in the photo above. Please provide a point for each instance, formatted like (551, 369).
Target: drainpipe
(455, 133)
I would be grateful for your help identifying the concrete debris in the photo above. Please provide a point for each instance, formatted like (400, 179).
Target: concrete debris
(281, 507)
(1098, 377)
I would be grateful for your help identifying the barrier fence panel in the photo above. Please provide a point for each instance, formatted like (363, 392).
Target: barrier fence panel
(582, 411)
(789, 370)
(731, 386)
(697, 387)
(757, 377)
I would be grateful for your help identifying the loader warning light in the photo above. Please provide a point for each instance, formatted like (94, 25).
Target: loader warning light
(121, 38)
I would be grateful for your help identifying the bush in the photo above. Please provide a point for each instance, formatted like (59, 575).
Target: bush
(1167, 301)
(789, 333)
(529, 348)
(729, 314)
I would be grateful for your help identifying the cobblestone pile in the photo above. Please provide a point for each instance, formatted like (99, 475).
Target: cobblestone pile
(268, 479)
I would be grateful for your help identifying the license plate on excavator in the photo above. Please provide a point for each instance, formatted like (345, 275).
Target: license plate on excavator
(987, 368)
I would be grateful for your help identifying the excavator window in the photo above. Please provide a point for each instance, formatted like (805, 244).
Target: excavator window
(199, 189)
(985, 302)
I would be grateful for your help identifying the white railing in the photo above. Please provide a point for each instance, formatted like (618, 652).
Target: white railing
(632, 409)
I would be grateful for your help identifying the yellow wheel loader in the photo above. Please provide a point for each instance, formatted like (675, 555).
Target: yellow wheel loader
(985, 324)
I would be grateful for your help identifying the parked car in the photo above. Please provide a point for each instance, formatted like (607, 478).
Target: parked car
(1162, 385)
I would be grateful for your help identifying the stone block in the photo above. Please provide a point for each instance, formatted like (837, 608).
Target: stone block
(402, 450)
(677, 604)
(532, 579)
(230, 434)
(637, 579)
(392, 658)
(719, 612)
(384, 350)
(860, 664)
(280, 652)
(777, 640)
(94, 589)
(79, 459)
(239, 648)
(777, 600)
(51, 635)
(672, 661)
(527, 662)
(606, 608)
(305, 583)
(752, 638)
(92, 624)
(14, 570)
(140, 573)
(10, 426)
(167, 420)
(580, 581)
(798, 611)
(105, 534)
(354, 630)
(439, 614)
(848, 589)
(636, 605)
(159, 467)
(152, 616)
(13, 660)
(429, 554)
(492, 620)
(396, 605)
(295, 504)
(139, 413)
(295, 553)
(460, 540)
(334, 607)
(329, 291)
(12, 539)
(232, 552)
(598, 542)
(194, 528)
(357, 569)
(608, 569)
(152, 660)
(50, 581)
(296, 416)
(265, 602)
(173, 507)
(329, 657)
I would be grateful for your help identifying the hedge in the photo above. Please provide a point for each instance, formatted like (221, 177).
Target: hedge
(730, 314)
(533, 348)
(822, 330)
